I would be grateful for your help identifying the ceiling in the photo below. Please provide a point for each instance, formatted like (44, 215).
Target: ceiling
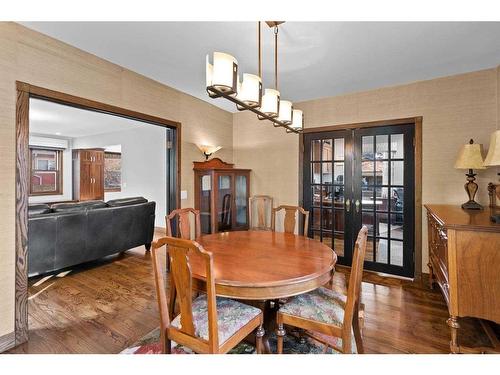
(316, 59)
(50, 118)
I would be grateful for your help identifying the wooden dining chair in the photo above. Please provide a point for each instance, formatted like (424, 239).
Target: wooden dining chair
(263, 212)
(206, 324)
(328, 312)
(183, 223)
(290, 218)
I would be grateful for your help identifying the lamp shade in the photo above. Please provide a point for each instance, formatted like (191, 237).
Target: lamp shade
(250, 91)
(285, 114)
(223, 74)
(270, 102)
(493, 157)
(470, 156)
(297, 119)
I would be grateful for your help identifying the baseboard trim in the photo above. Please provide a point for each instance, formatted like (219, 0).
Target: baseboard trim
(7, 341)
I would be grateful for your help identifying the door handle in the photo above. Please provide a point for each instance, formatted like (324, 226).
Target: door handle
(348, 205)
(357, 205)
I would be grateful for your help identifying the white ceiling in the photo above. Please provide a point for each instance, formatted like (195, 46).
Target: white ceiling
(50, 118)
(316, 59)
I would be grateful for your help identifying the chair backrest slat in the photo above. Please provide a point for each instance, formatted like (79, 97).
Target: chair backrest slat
(264, 211)
(355, 278)
(183, 223)
(290, 218)
(181, 253)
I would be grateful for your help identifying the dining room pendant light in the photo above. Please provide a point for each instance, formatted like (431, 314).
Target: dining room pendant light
(285, 112)
(223, 81)
(297, 119)
(223, 74)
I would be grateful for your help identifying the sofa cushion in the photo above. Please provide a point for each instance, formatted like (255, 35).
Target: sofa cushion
(78, 206)
(126, 201)
(37, 209)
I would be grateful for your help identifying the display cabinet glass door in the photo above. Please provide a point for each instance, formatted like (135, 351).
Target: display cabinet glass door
(224, 201)
(241, 202)
(205, 199)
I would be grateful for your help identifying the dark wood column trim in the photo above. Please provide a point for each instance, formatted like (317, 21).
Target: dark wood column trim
(24, 92)
(22, 193)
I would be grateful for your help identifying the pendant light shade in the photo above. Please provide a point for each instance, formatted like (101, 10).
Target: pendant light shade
(250, 91)
(285, 113)
(223, 74)
(271, 103)
(297, 119)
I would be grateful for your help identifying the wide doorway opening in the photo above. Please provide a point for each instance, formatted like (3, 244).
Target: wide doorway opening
(94, 183)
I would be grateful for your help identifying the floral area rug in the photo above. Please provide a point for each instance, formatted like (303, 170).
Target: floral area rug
(292, 344)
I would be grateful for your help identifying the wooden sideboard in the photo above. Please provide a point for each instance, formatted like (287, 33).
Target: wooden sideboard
(464, 261)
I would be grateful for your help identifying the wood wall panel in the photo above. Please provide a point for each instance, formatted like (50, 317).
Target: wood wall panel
(31, 57)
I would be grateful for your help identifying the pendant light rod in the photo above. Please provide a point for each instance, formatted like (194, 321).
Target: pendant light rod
(259, 38)
(276, 57)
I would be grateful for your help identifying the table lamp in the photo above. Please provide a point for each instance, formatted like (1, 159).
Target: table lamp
(493, 159)
(471, 157)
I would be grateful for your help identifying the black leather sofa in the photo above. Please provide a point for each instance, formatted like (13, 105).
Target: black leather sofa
(66, 234)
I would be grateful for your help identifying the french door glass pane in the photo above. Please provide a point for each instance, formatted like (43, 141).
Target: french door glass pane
(316, 218)
(382, 145)
(397, 146)
(338, 173)
(316, 173)
(327, 219)
(397, 172)
(397, 253)
(316, 150)
(327, 172)
(367, 151)
(316, 195)
(339, 149)
(382, 250)
(326, 195)
(397, 226)
(327, 150)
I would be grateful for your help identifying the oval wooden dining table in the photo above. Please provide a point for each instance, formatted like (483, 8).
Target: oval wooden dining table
(264, 266)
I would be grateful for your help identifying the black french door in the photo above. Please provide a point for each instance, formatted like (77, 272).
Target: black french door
(363, 177)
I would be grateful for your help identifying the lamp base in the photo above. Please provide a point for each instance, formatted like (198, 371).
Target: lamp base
(472, 205)
(495, 218)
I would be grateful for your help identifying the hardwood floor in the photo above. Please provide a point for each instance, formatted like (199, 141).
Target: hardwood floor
(106, 306)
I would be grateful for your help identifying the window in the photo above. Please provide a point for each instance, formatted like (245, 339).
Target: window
(46, 169)
(112, 171)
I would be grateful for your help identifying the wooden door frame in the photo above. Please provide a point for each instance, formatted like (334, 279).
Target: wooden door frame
(26, 91)
(417, 123)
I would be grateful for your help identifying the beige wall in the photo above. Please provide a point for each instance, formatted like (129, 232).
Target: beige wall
(31, 57)
(454, 109)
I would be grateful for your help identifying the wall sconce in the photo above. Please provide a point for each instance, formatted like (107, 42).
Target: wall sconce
(208, 150)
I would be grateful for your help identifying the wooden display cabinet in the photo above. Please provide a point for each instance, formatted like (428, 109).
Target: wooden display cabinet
(221, 195)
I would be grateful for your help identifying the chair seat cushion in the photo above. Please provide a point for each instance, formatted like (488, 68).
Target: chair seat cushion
(231, 317)
(322, 305)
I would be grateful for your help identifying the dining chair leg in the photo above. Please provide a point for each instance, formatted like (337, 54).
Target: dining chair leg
(357, 336)
(280, 333)
(259, 335)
